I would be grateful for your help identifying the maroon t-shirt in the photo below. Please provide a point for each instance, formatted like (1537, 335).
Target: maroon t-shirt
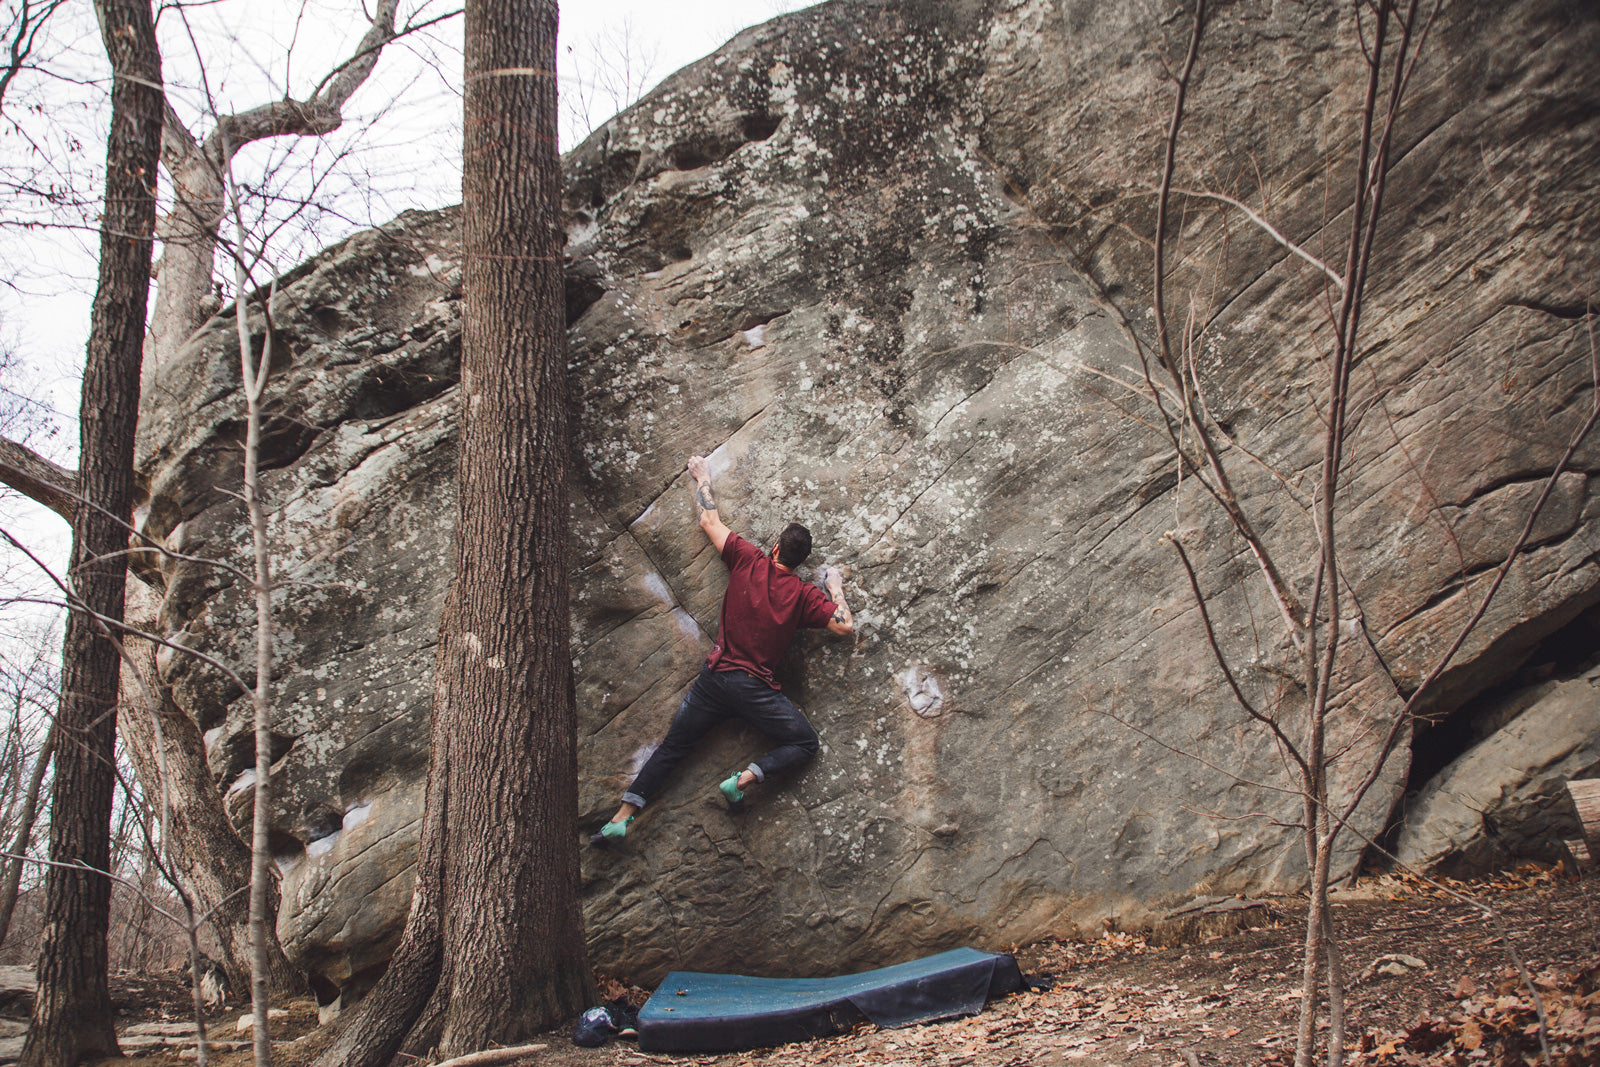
(761, 611)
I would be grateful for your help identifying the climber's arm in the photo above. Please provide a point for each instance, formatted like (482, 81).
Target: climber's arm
(706, 503)
(843, 623)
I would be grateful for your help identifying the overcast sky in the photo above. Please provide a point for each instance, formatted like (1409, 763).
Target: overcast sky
(399, 148)
(401, 136)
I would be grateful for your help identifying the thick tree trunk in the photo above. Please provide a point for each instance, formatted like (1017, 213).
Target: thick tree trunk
(210, 857)
(505, 674)
(72, 1011)
(494, 948)
(188, 233)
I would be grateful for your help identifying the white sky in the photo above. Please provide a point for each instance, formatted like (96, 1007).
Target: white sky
(399, 148)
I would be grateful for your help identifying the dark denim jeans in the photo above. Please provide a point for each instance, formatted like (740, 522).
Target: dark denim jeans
(715, 697)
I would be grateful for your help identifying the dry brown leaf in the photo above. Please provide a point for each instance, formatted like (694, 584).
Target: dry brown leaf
(1387, 1048)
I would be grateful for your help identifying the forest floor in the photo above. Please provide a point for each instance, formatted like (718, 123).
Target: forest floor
(1458, 996)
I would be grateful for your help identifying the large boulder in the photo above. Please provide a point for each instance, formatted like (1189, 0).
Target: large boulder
(882, 262)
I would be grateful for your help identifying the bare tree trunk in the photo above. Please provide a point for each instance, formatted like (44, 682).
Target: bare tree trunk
(212, 860)
(1314, 630)
(72, 1011)
(389, 1014)
(11, 875)
(505, 661)
(1336, 979)
(188, 235)
(1312, 960)
(199, 170)
(253, 377)
(494, 948)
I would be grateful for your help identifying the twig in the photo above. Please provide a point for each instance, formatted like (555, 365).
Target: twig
(1271, 231)
(76, 604)
(1404, 714)
(1148, 736)
(1222, 661)
(493, 1055)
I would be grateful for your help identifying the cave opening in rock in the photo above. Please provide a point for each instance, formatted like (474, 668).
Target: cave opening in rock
(1442, 738)
(1447, 737)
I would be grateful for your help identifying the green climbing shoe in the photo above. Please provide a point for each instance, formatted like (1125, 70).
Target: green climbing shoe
(611, 831)
(732, 793)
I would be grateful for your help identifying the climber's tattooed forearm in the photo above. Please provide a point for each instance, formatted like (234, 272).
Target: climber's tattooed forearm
(841, 610)
(703, 497)
(842, 617)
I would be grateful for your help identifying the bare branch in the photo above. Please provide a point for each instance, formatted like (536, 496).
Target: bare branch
(1409, 709)
(38, 479)
(1219, 486)
(57, 489)
(493, 1056)
(1148, 736)
(368, 51)
(177, 143)
(118, 625)
(81, 866)
(22, 38)
(1271, 231)
(323, 112)
(1222, 661)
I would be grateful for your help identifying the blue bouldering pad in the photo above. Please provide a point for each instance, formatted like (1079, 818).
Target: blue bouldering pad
(695, 1012)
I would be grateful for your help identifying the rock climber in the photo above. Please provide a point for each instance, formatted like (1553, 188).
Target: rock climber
(764, 604)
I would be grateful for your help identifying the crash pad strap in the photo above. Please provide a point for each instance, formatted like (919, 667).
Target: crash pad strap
(696, 1012)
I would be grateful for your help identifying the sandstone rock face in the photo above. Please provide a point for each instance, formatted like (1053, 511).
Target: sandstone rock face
(360, 462)
(876, 260)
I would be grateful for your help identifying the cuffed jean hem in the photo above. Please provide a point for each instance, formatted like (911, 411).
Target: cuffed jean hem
(633, 798)
(757, 771)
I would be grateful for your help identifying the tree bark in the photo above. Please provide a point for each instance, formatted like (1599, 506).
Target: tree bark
(210, 857)
(188, 234)
(494, 947)
(505, 659)
(38, 479)
(72, 1010)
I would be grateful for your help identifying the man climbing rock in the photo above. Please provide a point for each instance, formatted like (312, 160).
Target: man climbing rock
(764, 605)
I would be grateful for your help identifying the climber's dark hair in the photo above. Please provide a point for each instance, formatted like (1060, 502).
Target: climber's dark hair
(794, 545)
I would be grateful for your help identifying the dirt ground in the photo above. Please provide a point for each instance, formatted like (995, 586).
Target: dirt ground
(1456, 996)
